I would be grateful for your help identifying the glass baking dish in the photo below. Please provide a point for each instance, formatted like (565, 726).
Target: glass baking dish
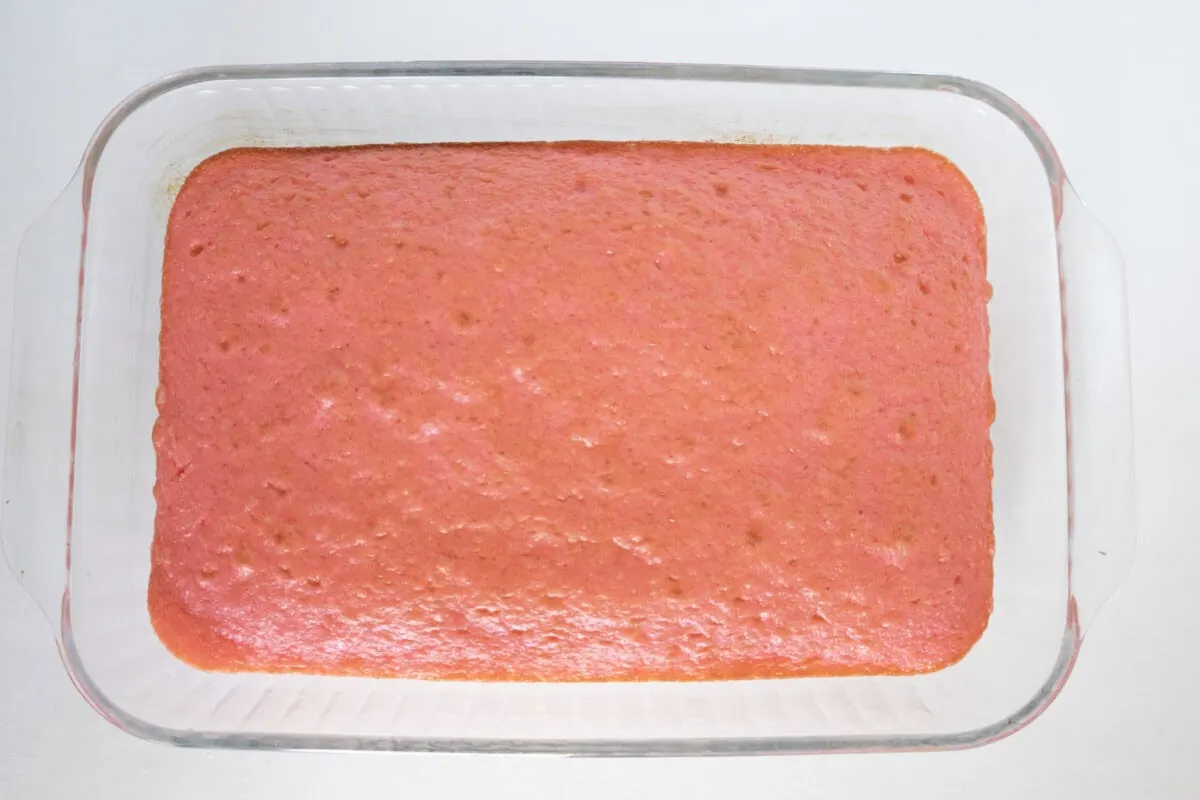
(80, 466)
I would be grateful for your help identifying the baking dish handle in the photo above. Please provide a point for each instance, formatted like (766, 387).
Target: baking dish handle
(1099, 413)
(37, 461)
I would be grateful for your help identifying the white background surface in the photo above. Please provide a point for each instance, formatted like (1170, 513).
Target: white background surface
(1115, 88)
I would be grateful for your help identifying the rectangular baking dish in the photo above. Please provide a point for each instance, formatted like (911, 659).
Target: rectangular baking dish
(79, 467)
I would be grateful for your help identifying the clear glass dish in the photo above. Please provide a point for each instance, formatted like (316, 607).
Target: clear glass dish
(79, 467)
